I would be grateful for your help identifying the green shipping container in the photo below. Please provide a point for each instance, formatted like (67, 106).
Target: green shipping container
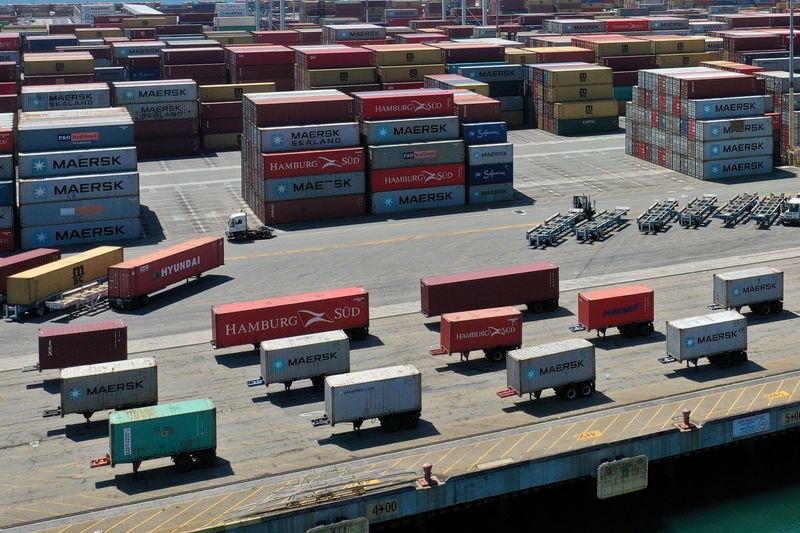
(584, 126)
(624, 93)
(166, 430)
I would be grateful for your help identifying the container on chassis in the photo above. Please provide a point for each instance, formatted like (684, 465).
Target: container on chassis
(22, 262)
(760, 289)
(312, 357)
(276, 318)
(567, 366)
(533, 285)
(184, 431)
(393, 395)
(720, 337)
(495, 331)
(131, 282)
(116, 385)
(82, 344)
(630, 309)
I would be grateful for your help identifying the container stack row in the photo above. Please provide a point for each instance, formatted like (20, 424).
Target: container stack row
(490, 162)
(48, 68)
(261, 63)
(8, 226)
(505, 85)
(405, 66)
(10, 45)
(345, 68)
(221, 116)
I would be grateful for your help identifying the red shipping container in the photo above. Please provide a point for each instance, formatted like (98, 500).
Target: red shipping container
(130, 282)
(628, 308)
(457, 31)
(495, 331)
(10, 41)
(260, 55)
(178, 72)
(625, 78)
(403, 104)
(534, 285)
(313, 162)
(471, 107)
(698, 87)
(8, 71)
(219, 80)
(417, 177)
(623, 63)
(421, 38)
(150, 129)
(9, 87)
(68, 79)
(7, 140)
(24, 261)
(192, 56)
(289, 211)
(470, 53)
(266, 72)
(82, 344)
(305, 110)
(626, 25)
(8, 103)
(141, 34)
(301, 314)
(277, 37)
(57, 29)
(221, 110)
(6, 243)
(147, 62)
(321, 58)
(180, 29)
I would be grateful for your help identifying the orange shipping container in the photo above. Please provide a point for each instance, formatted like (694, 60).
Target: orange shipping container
(628, 308)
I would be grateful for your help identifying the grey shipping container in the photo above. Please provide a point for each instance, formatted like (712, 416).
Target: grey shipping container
(490, 73)
(566, 366)
(45, 164)
(740, 166)
(383, 393)
(314, 137)
(303, 187)
(57, 135)
(722, 337)
(80, 233)
(115, 385)
(495, 192)
(6, 167)
(163, 111)
(74, 211)
(415, 154)
(730, 107)
(305, 357)
(733, 128)
(6, 217)
(410, 130)
(759, 288)
(490, 154)
(78, 96)
(123, 49)
(730, 149)
(78, 188)
(411, 199)
(148, 92)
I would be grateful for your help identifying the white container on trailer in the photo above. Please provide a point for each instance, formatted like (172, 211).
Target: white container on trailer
(721, 337)
(391, 394)
(759, 288)
(116, 385)
(305, 357)
(567, 366)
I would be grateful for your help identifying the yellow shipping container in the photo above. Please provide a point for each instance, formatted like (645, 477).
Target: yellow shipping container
(578, 110)
(43, 66)
(513, 118)
(622, 108)
(233, 91)
(53, 278)
(342, 76)
(222, 141)
(149, 22)
(405, 73)
(516, 56)
(678, 45)
(97, 33)
(227, 37)
(684, 60)
(625, 47)
(411, 55)
(579, 93)
(594, 75)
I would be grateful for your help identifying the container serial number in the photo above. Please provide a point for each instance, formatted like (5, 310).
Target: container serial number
(380, 510)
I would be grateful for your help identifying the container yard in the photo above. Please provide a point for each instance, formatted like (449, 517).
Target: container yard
(345, 187)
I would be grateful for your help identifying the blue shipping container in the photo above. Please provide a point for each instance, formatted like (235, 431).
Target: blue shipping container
(82, 233)
(484, 133)
(108, 74)
(410, 130)
(45, 164)
(144, 74)
(304, 187)
(53, 138)
(314, 137)
(487, 174)
(6, 217)
(506, 88)
(6, 167)
(498, 192)
(7, 192)
(71, 188)
(489, 73)
(732, 168)
(510, 103)
(72, 212)
(490, 154)
(413, 199)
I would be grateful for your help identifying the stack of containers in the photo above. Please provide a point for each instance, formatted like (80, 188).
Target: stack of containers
(261, 63)
(454, 82)
(300, 156)
(165, 114)
(736, 43)
(777, 87)
(505, 85)
(206, 65)
(336, 67)
(53, 97)
(7, 186)
(470, 53)
(490, 163)
(675, 51)
(141, 59)
(416, 159)
(471, 107)
(404, 66)
(354, 34)
(703, 122)
(57, 68)
(221, 113)
(78, 180)
(575, 98)
(9, 86)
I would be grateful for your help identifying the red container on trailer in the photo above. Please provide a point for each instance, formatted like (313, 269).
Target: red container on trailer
(25, 261)
(381, 105)
(313, 162)
(483, 329)
(620, 306)
(82, 344)
(535, 285)
(287, 211)
(276, 318)
(395, 179)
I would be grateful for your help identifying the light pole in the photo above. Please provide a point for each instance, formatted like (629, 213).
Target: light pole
(485, 12)
(463, 12)
(791, 84)
(283, 14)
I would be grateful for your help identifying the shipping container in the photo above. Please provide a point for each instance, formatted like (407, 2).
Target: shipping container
(24, 261)
(393, 395)
(416, 154)
(304, 357)
(760, 289)
(732, 128)
(78, 188)
(42, 98)
(383, 105)
(305, 187)
(416, 177)
(102, 386)
(400, 74)
(495, 331)
(163, 111)
(69, 163)
(82, 344)
(78, 211)
(289, 316)
(490, 154)
(148, 92)
(566, 366)
(81, 233)
(301, 138)
(137, 435)
(721, 337)
(311, 209)
(232, 92)
(411, 130)
(535, 285)
(74, 129)
(495, 192)
(313, 163)
(415, 199)
(484, 133)
(490, 174)
(630, 309)
(131, 282)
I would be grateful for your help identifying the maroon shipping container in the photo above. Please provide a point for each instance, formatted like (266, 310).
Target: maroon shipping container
(473, 107)
(382, 105)
(221, 110)
(625, 78)
(313, 162)
(180, 29)
(277, 37)
(628, 308)
(8, 71)
(321, 58)
(470, 53)
(266, 72)
(146, 62)
(59, 29)
(7, 242)
(403, 85)
(178, 72)
(82, 344)
(68, 79)
(141, 34)
(8, 103)
(192, 56)
(534, 285)
(457, 31)
(218, 80)
(10, 41)
(288, 316)
(699, 87)
(150, 129)
(131, 282)
(222, 125)
(623, 63)
(167, 146)
(259, 55)
(495, 331)
(289, 211)
(304, 110)
(24, 261)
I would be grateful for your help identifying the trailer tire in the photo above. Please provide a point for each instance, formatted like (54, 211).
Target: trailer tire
(206, 459)
(587, 388)
(551, 305)
(536, 307)
(777, 307)
(41, 310)
(183, 462)
(765, 309)
(723, 360)
(740, 358)
(390, 423)
(143, 300)
(570, 392)
(627, 331)
(497, 355)
(318, 382)
(357, 334)
(410, 420)
(646, 329)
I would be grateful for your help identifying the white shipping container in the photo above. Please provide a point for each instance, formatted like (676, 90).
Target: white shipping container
(748, 287)
(77, 96)
(305, 356)
(115, 385)
(314, 137)
(689, 339)
(490, 154)
(374, 393)
(70, 163)
(733, 128)
(730, 148)
(731, 168)
(149, 92)
(552, 365)
(731, 107)
(163, 111)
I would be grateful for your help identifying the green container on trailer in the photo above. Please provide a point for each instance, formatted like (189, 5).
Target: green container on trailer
(162, 431)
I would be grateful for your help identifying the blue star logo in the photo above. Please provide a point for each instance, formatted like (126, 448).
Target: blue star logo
(281, 188)
(736, 292)
(715, 169)
(39, 165)
(42, 237)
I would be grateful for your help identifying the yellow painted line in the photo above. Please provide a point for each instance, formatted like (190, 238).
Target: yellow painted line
(173, 517)
(603, 432)
(621, 434)
(91, 527)
(537, 441)
(515, 445)
(565, 432)
(25, 509)
(697, 407)
(106, 530)
(586, 434)
(652, 417)
(793, 391)
(455, 463)
(485, 454)
(155, 514)
(670, 420)
(756, 397)
(83, 507)
(379, 242)
(207, 509)
(105, 500)
(716, 404)
(234, 506)
(66, 528)
(422, 457)
(735, 402)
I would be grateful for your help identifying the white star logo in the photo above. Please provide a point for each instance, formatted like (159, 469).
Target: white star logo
(278, 364)
(281, 189)
(40, 192)
(707, 108)
(388, 202)
(128, 94)
(383, 132)
(39, 165)
(715, 149)
(715, 169)
(277, 140)
(75, 394)
(715, 131)
(41, 237)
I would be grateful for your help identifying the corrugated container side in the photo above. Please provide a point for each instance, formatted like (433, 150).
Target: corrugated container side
(373, 393)
(76, 211)
(25, 261)
(481, 330)
(314, 137)
(81, 232)
(303, 187)
(745, 287)
(615, 307)
(85, 344)
(46, 164)
(701, 336)
(115, 385)
(416, 154)
(306, 356)
(550, 365)
(78, 188)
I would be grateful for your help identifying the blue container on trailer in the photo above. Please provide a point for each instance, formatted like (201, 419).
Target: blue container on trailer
(484, 133)
(488, 174)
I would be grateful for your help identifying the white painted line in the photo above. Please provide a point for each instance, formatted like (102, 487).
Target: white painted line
(188, 170)
(568, 152)
(187, 184)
